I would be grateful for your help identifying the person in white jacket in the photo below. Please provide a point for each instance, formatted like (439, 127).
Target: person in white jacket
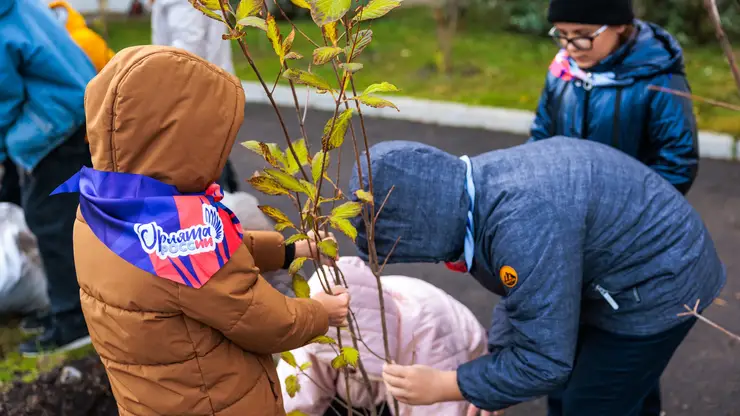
(425, 326)
(178, 24)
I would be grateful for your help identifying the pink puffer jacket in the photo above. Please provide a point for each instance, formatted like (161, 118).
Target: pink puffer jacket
(425, 326)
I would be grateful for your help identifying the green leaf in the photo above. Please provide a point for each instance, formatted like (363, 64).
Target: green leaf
(330, 31)
(296, 412)
(310, 189)
(286, 180)
(364, 37)
(269, 151)
(211, 4)
(303, 4)
(283, 225)
(351, 355)
(289, 358)
(273, 33)
(288, 42)
(364, 196)
(338, 362)
(347, 210)
(307, 78)
(329, 248)
(292, 166)
(375, 102)
(292, 386)
(300, 287)
(351, 67)
(267, 185)
(376, 9)
(305, 366)
(253, 21)
(293, 55)
(323, 339)
(274, 213)
(325, 54)
(316, 162)
(296, 264)
(248, 8)
(344, 226)
(336, 138)
(381, 87)
(326, 11)
(295, 237)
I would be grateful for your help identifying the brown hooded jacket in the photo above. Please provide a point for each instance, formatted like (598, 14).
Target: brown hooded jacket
(170, 349)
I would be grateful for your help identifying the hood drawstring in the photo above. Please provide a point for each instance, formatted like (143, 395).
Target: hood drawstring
(616, 119)
(466, 265)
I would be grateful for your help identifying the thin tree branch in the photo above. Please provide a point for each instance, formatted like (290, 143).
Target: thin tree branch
(695, 97)
(711, 6)
(695, 313)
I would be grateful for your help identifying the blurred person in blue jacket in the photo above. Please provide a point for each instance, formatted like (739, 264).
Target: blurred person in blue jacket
(593, 254)
(597, 87)
(43, 75)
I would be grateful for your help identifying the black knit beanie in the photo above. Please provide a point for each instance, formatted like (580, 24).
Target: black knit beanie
(592, 12)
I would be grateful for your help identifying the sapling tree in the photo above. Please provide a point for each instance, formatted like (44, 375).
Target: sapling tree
(301, 174)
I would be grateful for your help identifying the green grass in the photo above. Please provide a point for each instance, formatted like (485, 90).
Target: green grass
(15, 367)
(492, 68)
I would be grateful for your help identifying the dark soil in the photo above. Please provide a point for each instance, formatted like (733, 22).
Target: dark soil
(50, 396)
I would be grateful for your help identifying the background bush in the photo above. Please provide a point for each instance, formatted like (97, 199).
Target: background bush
(687, 20)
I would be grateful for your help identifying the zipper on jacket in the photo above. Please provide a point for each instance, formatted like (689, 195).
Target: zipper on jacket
(616, 121)
(587, 86)
(608, 297)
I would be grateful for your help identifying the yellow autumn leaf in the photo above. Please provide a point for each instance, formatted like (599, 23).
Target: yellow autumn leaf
(316, 165)
(364, 37)
(334, 131)
(325, 54)
(253, 21)
(274, 213)
(380, 87)
(344, 226)
(292, 386)
(351, 67)
(351, 355)
(293, 55)
(364, 196)
(300, 287)
(346, 210)
(307, 78)
(248, 8)
(375, 102)
(295, 237)
(324, 12)
(267, 185)
(289, 358)
(338, 362)
(276, 39)
(291, 164)
(288, 42)
(303, 4)
(296, 264)
(329, 248)
(330, 30)
(323, 339)
(285, 180)
(375, 9)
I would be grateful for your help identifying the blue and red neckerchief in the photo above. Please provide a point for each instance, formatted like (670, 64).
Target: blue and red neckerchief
(185, 238)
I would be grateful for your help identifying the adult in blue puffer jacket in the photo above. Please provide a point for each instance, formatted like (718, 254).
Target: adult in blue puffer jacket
(43, 75)
(597, 87)
(593, 253)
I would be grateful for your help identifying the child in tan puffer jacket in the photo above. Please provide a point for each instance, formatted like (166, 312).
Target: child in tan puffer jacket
(170, 282)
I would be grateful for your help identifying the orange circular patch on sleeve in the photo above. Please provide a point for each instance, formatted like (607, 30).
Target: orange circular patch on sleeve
(508, 276)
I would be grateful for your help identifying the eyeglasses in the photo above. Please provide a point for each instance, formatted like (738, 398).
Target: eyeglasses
(582, 43)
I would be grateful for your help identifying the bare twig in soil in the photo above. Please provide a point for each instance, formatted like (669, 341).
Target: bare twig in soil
(695, 97)
(695, 313)
(711, 6)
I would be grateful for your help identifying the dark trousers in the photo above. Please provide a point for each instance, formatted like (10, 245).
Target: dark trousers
(10, 187)
(617, 375)
(51, 219)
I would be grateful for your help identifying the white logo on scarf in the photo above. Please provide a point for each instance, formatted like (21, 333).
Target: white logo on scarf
(199, 238)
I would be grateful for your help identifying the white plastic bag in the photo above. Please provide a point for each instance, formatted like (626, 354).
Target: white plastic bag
(22, 278)
(245, 207)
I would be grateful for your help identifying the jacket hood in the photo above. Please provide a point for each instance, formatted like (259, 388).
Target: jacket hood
(363, 290)
(427, 208)
(165, 113)
(650, 52)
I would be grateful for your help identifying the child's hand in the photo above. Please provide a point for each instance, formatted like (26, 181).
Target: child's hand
(336, 305)
(304, 248)
(474, 411)
(421, 385)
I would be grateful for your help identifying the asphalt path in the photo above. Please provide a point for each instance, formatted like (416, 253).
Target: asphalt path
(704, 375)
